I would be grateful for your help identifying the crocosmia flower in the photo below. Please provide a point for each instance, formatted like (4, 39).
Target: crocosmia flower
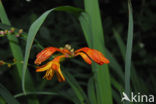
(53, 66)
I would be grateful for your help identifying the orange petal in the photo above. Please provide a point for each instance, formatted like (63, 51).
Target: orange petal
(60, 76)
(97, 56)
(84, 49)
(85, 57)
(44, 67)
(56, 67)
(45, 54)
(65, 51)
(56, 62)
(58, 58)
(49, 74)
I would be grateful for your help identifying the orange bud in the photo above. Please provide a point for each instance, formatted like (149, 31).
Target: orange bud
(85, 57)
(95, 55)
(45, 54)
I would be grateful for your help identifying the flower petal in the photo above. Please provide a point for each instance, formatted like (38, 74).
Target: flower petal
(49, 74)
(44, 67)
(65, 51)
(97, 56)
(60, 76)
(45, 54)
(85, 57)
(58, 58)
(56, 67)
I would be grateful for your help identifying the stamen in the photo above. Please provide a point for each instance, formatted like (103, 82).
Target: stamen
(67, 46)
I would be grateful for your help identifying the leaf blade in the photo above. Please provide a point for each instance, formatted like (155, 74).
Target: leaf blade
(103, 86)
(129, 50)
(7, 95)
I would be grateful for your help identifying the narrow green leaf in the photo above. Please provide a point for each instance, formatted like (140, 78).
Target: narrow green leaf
(115, 65)
(129, 50)
(7, 95)
(86, 27)
(3, 15)
(64, 95)
(31, 35)
(103, 86)
(70, 97)
(91, 92)
(116, 96)
(117, 85)
(76, 87)
(120, 43)
(136, 80)
(2, 101)
(35, 93)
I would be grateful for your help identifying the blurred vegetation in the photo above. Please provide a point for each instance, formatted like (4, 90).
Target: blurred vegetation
(61, 28)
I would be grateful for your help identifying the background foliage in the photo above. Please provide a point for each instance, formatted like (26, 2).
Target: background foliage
(61, 28)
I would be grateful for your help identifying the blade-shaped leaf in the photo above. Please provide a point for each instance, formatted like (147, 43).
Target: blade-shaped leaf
(91, 92)
(7, 95)
(93, 29)
(129, 50)
(76, 87)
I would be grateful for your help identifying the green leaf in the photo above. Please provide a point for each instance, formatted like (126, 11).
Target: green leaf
(3, 15)
(47, 93)
(129, 50)
(92, 27)
(35, 93)
(115, 65)
(116, 96)
(76, 88)
(136, 80)
(120, 43)
(117, 85)
(7, 95)
(91, 92)
(2, 101)
(86, 27)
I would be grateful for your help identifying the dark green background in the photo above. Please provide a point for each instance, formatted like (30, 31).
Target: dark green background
(61, 28)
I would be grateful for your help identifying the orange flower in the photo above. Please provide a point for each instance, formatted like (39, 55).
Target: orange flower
(54, 66)
(51, 68)
(95, 55)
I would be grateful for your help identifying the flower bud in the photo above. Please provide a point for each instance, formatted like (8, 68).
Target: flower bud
(20, 31)
(17, 35)
(9, 65)
(67, 46)
(5, 32)
(12, 30)
(1, 32)
(2, 62)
